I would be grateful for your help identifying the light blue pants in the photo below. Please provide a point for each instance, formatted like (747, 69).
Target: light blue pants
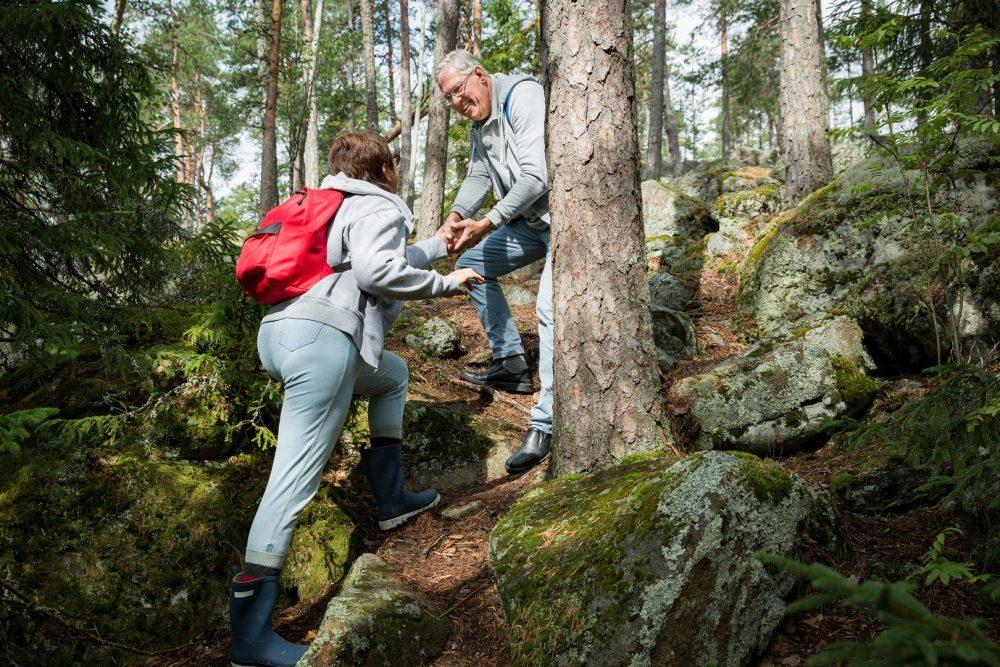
(507, 249)
(321, 369)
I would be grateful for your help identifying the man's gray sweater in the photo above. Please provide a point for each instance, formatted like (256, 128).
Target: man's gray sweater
(507, 154)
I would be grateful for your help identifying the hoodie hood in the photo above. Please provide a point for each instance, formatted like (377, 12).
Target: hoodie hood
(353, 186)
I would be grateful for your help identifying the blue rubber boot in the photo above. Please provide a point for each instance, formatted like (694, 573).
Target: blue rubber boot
(251, 601)
(383, 466)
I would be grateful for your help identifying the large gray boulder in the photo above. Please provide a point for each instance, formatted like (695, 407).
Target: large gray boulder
(741, 215)
(650, 562)
(854, 247)
(777, 395)
(377, 620)
(674, 335)
(667, 291)
(672, 221)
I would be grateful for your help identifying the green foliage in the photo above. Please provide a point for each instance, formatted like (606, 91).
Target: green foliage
(933, 431)
(912, 634)
(16, 427)
(88, 204)
(938, 567)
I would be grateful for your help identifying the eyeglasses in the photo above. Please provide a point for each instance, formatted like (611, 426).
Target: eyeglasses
(449, 98)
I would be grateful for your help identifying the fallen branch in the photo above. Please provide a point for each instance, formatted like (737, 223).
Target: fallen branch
(494, 394)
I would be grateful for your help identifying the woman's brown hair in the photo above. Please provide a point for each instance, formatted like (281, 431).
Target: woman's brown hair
(365, 156)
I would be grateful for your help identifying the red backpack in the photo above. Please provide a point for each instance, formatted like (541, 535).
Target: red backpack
(287, 254)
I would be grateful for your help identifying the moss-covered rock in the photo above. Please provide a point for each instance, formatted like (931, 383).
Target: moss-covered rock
(741, 215)
(140, 548)
(376, 620)
(671, 220)
(435, 337)
(649, 562)
(779, 393)
(855, 247)
(323, 545)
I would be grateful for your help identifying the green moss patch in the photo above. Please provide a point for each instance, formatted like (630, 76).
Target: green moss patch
(768, 481)
(855, 387)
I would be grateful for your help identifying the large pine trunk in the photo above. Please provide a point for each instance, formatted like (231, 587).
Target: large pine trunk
(654, 142)
(436, 155)
(406, 119)
(368, 45)
(804, 103)
(607, 385)
(269, 144)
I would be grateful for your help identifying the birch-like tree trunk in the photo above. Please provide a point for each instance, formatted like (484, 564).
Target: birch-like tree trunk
(670, 122)
(388, 62)
(406, 119)
(867, 69)
(368, 45)
(436, 155)
(804, 102)
(269, 143)
(607, 384)
(415, 142)
(654, 136)
(310, 157)
(175, 98)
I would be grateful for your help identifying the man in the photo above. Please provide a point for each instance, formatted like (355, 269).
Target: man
(507, 155)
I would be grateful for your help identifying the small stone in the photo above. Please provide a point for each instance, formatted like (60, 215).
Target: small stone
(518, 296)
(453, 512)
(435, 337)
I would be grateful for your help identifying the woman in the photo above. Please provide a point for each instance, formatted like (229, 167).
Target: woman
(326, 346)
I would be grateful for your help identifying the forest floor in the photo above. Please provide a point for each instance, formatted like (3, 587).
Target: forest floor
(447, 560)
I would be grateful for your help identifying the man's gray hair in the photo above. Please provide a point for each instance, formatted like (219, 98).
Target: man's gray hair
(461, 60)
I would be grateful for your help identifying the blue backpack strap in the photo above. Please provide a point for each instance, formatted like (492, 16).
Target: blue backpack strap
(506, 101)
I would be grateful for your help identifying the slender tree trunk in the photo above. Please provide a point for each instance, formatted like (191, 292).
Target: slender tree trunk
(352, 101)
(368, 43)
(654, 134)
(175, 98)
(269, 143)
(310, 157)
(670, 121)
(607, 387)
(477, 28)
(436, 154)
(262, 28)
(406, 120)
(867, 69)
(724, 64)
(116, 23)
(394, 117)
(415, 142)
(804, 102)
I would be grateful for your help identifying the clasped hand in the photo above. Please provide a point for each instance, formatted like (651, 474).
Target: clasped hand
(461, 234)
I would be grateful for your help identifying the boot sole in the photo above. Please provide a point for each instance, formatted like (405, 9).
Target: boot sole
(512, 387)
(244, 663)
(389, 524)
(516, 471)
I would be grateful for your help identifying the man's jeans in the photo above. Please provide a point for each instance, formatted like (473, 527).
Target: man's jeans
(509, 248)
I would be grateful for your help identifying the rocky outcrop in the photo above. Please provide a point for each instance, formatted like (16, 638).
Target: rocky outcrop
(377, 620)
(435, 337)
(741, 215)
(778, 394)
(672, 220)
(674, 335)
(649, 562)
(857, 247)
(667, 291)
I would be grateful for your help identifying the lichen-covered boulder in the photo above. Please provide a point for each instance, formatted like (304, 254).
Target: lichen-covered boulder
(377, 620)
(436, 337)
(649, 562)
(671, 221)
(854, 247)
(777, 395)
(741, 215)
(674, 335)
(667, 291)
(518, 296)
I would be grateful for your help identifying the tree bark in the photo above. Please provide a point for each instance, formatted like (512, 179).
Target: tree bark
(654, 136)
(116, 23)
(368, 44)
(415, 142)
(606, 385)
(175, 98)
(673, 137)
(724, 66)
(312, 20)
(393, 116)
(436, 154)
(477, 28)
(867, 68)
(269, 145)
(406, 118)
(804, 102)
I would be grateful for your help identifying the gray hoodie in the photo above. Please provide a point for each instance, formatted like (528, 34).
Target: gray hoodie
(515, 167)
(374, 269)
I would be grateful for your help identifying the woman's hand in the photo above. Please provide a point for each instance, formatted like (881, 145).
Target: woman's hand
(466, 277)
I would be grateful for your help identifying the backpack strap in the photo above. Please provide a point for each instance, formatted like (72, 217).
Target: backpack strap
(506, 101)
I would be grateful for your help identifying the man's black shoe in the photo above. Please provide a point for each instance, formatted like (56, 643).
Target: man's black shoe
(499, 376)
(534, 450)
